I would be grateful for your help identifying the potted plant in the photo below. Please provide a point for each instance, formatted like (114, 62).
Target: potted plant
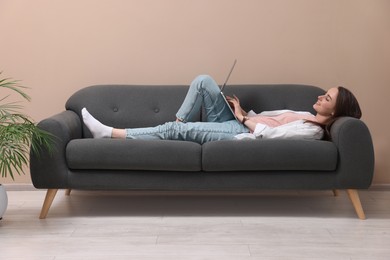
(18, 134)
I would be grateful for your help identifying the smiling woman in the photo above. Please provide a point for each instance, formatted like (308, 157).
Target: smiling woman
(338, 102)
(325, 105)
(221, 123)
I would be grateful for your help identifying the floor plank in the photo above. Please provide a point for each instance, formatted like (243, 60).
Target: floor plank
(139, 225)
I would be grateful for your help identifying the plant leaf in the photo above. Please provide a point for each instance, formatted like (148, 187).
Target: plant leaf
(18, 133)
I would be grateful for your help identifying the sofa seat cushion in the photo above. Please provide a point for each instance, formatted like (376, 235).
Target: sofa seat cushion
(269, 155)
(115, 154)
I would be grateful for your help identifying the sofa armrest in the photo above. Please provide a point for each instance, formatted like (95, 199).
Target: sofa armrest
(356, 153)
(49, 169)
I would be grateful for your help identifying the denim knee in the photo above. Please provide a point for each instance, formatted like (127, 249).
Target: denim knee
(204, 80)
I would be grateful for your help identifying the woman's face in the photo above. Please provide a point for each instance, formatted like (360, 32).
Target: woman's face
(326, 104)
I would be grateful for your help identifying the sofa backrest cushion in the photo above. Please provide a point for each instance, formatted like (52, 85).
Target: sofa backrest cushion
(124, 106)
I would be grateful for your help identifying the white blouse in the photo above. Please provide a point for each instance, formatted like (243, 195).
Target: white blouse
(299, 129)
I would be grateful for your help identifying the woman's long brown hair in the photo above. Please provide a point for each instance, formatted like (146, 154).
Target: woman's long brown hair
(346, 105)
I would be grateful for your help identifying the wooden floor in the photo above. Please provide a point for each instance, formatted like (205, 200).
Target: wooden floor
(124, 225)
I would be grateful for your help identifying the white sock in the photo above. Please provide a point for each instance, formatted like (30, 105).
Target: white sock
(97, 129)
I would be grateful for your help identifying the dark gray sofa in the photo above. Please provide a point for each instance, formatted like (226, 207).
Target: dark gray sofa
(83, 163)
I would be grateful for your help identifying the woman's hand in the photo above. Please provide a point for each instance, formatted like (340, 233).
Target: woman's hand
(235, 104)
(240, 113)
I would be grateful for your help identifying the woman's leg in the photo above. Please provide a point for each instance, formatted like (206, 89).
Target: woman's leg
(204, 91)
(118, 133)
(199, 132)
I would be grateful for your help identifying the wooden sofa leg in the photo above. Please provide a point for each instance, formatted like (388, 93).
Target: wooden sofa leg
(354, 196)
(67, 192)
(335, 192)
(50, 194)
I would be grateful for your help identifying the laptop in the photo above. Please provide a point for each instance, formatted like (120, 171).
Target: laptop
(224, 85)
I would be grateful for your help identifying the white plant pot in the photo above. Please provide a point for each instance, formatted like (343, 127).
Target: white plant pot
(3, 201)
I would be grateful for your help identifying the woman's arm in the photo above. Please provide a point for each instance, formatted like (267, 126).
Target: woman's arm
(241, 114)
(235, 102)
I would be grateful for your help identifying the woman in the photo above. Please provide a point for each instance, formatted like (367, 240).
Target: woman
(221, 124)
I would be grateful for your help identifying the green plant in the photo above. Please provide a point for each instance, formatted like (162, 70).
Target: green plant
(18, 133)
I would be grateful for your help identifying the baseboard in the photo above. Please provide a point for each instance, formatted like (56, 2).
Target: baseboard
(19, 187)
(379, 187)
(30, 187)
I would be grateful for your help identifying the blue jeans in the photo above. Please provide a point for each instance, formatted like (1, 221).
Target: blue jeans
(220, 124)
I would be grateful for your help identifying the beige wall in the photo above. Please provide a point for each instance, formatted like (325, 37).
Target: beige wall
(57, 47)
